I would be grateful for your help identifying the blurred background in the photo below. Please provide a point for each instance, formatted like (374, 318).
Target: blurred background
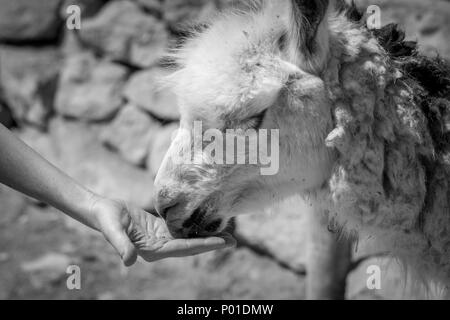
(86, 100)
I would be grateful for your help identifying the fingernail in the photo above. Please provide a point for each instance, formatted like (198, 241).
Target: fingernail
(230, 241)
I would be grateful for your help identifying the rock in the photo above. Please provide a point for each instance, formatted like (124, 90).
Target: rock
(179, 13)
(224, 274)
(123, 32)
(88, 8)
(71, 44)
(6, 117)
(151, 5)
(24, 20)
(4, 256)
(131, 133)
(32, 101)
(39, 142)
(160, 145)
(41, 108)
(90, 90)
(39, 217)
(29, 81)
(49, 262)
(107, 296)
(144, 90)
(46, 269)
(68, 248)
(13, 206)
(282, 234)
(22, 61)
(83, 157)
(246, 275)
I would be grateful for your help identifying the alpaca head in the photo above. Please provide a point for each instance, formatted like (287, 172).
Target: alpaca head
(256, 74)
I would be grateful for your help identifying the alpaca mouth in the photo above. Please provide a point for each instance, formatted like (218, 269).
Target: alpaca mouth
(199, 224)
(196, 219)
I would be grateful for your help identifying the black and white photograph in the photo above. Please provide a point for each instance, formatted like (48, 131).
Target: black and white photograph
(224, 154)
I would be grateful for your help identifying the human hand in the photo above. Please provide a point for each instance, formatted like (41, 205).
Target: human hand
(132, 232)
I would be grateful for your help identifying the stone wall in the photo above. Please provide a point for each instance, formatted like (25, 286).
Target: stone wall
(89, 101)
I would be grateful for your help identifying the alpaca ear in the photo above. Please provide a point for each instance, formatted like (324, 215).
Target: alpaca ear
(309, 33)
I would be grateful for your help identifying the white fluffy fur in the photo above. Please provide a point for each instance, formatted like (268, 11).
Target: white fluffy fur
(335, 128)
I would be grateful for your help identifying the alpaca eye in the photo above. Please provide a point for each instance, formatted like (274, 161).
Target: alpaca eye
(256, 121)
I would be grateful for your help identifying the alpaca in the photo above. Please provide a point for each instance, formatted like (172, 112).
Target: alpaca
(363, 120)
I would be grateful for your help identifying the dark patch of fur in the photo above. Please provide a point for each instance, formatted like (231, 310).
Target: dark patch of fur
(393, 41)
(430, 77)
(351, 11)
(213, 226)
(430, 80)
(308, 15)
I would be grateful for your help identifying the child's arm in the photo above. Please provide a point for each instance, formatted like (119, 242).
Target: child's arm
(125, 227)
(24, 170)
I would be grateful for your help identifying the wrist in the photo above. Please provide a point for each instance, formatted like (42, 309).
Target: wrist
(81, 207)
(90, 209)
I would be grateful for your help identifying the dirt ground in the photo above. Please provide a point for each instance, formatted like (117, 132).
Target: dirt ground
(37, 244)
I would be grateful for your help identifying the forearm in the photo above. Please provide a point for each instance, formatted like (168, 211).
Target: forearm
(24, 170)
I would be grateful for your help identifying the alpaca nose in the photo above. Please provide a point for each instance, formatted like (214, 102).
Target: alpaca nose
(162, 210)
(164, 203)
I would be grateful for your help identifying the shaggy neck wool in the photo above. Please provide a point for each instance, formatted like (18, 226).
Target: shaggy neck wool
(392, 132)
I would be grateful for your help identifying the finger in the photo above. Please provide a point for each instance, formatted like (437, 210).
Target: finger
(119, 239)
(189, 247)
(229, 240)
(130, 255)
(182, 248)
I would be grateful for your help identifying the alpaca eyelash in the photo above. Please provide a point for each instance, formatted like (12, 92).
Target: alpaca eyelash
(256, 121)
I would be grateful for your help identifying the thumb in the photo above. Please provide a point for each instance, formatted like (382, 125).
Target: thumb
(128, 252)
(123, 245)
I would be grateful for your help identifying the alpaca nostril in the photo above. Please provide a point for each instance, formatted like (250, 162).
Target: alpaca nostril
(164, 210)
(166, 201)
(163, 207)
(195, 219)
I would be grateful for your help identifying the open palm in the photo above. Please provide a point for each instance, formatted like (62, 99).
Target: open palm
(133, 231)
